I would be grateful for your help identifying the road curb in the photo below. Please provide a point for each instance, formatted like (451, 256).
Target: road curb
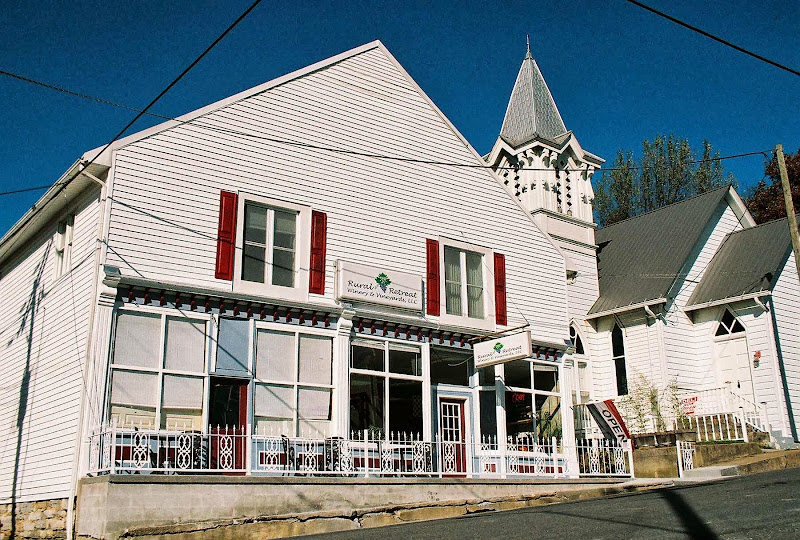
(281, 526)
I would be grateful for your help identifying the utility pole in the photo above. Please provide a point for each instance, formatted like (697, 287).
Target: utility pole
(787, 197)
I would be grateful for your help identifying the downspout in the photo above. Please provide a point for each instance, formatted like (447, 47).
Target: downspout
(782, 368)
(76, 458)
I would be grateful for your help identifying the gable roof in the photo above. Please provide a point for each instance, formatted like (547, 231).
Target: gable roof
(531, 110)
(639, 259)
(748, 262)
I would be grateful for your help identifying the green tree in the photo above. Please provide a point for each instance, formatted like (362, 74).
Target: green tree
(765, 200)
(668, 171)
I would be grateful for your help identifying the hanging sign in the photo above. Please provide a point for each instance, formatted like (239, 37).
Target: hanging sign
(377, 285)
(689, 405)
(609, 420)
(504, 349)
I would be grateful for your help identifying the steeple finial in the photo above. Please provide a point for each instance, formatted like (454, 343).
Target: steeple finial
(528, 40)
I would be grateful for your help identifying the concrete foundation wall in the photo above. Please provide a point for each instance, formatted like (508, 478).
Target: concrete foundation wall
(109, 505)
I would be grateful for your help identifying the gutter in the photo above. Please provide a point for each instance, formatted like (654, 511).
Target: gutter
(641, 305)
(730, 300)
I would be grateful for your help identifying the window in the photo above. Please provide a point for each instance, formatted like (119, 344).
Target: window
(575, 340)
(385, 388)
(269, 245)
(63, 245)
(463, 283)
(273, 246)
(729, 324)
(293, 383)
(533, 399)
(450, 366)
(618, 355)
(155, 386)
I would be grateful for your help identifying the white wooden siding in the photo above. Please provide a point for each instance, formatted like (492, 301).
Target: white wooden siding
(165, 198)
(43, 329)
(642, 351)
(604, 379)
(688, 350)
(584, 291)
(786, 298)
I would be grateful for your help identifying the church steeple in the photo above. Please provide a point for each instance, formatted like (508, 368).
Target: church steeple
(531, 109)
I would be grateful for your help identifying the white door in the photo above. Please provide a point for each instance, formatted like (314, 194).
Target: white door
(453, 447)
(733, 362)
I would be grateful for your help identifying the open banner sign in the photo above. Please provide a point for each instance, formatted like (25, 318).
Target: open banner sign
(609, 420)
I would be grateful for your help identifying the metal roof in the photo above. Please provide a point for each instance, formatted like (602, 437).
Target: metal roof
(639, 259)
(747, 262)
(531, 110)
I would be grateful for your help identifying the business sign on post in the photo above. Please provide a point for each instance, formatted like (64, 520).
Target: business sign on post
(609, 420)
(376, 285)
(503, 349)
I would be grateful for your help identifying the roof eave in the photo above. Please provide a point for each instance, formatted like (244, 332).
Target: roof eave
(729, 300)
(623, 309)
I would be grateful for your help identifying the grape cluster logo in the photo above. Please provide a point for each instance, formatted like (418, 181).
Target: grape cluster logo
(498, 347)
(383, 281)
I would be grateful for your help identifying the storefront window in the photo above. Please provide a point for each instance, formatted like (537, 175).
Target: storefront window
(488, 415)
(293, 383)
(382, 372)
(532, 399)
(451, 366)
(155, 386)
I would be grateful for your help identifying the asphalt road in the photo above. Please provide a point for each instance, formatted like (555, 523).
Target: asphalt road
(759, 506)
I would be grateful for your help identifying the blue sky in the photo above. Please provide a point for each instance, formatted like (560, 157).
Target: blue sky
(618, 73)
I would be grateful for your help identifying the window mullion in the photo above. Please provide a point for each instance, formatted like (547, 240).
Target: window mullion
(270, 229)
(462, 257)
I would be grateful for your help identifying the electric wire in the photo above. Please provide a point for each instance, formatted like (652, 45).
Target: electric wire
(715, 38)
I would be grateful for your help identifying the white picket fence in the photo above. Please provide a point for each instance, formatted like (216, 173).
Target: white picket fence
(238, 450)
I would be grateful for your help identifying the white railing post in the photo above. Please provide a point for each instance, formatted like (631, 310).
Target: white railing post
(678, 445)
(629, 450)
(503, 450)
(366, 453)
(745, 435)
(113, 455)
(248, 452)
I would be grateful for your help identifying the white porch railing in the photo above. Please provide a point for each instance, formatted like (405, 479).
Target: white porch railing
(722, 400)
(238, 450)
(715, 427)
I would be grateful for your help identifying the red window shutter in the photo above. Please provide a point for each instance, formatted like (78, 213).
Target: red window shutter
(432, 289)
(316, 274)
(226, 235)
(501, 315)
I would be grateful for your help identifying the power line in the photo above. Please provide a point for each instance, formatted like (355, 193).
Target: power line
(36, 188)
(716, 38)
(65, 183)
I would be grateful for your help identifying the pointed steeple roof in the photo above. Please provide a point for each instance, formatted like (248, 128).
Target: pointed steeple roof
(531, 109)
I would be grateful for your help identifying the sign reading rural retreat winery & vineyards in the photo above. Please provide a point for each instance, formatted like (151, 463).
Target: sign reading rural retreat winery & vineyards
(375, 285)
(503, 349)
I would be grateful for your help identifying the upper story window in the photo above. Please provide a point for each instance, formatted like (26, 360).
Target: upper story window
(463, 278)
(618, 355)
(729, 324)
(273, 244)
(63, 244)
(270, 245)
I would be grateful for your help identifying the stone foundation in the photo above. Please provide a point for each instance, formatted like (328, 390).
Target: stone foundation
(38, 519)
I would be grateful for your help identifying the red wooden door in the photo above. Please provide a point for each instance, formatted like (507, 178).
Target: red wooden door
(228, 421)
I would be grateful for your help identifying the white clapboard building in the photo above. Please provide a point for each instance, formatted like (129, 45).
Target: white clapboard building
(291, 281)
(692, 303)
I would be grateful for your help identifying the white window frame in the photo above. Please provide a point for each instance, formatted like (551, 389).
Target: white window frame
(487, 322)
(302, 251)
(160, 370)
(532, 392)
(296, 384)
(424, 378)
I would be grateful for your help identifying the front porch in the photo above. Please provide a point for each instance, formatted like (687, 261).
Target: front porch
(241, 451)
